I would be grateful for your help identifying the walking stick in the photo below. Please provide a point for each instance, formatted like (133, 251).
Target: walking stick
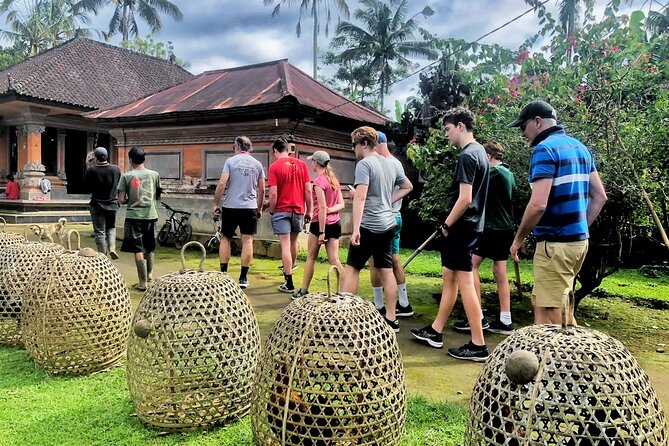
(420, 248)
(519, 285)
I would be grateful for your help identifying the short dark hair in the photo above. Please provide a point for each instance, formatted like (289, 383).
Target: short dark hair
(494, 149)
(137, 155)
(244, 143)
(280, 144)
(10, 177)
(459, 114)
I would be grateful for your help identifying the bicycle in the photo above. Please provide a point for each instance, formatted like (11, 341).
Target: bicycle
(214, 242)
(177, 229)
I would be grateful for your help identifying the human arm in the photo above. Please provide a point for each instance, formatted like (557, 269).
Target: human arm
(122, 193)
(460, 206)
(404, 189)
(220, 190)
(339, 205)
(261, 195)
(273, 196)
(322, 212)
(358, 207)
(596, 197)
(535, 209)
(309, 202)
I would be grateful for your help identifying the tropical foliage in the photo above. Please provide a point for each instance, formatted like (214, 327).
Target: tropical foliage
(153, 48)
(37, 25)
(126, 13)
(314, 9)
(383, 42)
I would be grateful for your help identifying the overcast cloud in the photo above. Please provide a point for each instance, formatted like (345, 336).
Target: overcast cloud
(217, 34)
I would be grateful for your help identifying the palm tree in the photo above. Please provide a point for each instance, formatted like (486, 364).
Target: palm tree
(385, 39)
(569, 11)
(37, 25)
(124, 20)
(313, 8)
(658, 21)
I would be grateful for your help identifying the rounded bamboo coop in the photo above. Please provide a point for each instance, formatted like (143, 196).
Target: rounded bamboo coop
(17, 263)
(331, 373)
(8, 238)
(553, 385)
(76, 313)
(193, 350)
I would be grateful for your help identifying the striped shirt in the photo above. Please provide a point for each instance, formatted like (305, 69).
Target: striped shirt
(569, 164)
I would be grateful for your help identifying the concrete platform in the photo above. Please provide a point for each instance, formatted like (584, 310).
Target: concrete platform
(33, 211)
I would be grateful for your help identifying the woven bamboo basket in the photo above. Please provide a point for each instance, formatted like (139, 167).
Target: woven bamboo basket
(553, 385)
(331, 374)
(193, 350)
(7, 238)
(17, 263)
(76, 312)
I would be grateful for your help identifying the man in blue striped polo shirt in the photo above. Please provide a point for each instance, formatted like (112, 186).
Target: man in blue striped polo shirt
(567, 196)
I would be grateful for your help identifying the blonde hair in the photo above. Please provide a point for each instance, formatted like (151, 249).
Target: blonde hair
(332, 178)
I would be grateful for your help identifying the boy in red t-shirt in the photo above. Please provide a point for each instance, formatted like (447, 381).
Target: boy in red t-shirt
(290, 204)
(12, 189)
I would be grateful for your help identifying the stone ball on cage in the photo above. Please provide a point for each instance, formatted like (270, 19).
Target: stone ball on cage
(142, 328)
(87, 252)
(522, 366)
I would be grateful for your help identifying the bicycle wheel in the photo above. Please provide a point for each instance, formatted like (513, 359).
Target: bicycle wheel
(183, 236)
(212, 244)
(163, 235)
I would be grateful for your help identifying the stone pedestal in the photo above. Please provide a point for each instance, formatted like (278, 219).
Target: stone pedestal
(29, 180)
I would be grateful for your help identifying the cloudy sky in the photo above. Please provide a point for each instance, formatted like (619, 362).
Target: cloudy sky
(218, 34)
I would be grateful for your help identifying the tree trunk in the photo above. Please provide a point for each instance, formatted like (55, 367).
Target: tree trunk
(383, 85)
(124, 22)
(315, 47)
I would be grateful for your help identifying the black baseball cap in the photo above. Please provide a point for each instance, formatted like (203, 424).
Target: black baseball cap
(532, 110)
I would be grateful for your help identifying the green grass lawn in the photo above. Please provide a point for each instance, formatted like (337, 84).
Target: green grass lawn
(37, 409)
(627, 283)
(42, 410)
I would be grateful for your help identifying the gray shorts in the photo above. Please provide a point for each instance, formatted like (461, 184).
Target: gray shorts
(287, 222)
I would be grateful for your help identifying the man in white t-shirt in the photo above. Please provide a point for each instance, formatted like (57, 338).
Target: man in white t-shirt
(244, 178)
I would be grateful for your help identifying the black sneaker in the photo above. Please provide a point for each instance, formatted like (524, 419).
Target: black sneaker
(463, 326)
(299, 293)
(382, 311)
(501, 328)
(292, 269)
(401, 311)
(429, 335)
(470, 352)
(395, 325)
(243, 282)
(284, 288)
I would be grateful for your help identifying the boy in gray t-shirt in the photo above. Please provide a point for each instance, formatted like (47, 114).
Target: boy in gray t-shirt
(244, 178)
(373, 219)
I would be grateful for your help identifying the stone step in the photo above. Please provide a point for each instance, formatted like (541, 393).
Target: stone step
(45, 216)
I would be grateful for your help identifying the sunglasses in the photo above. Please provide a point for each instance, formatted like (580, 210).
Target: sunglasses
(523, 126)
(353, 144)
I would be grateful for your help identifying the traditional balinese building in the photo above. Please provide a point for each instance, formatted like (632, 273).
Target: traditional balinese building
(188, 130)
(42, 99)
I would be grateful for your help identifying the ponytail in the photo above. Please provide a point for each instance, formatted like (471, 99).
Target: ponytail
(329, 173)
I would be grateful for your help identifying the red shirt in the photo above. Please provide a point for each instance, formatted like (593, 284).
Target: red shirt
(12, 190)
(289, 175)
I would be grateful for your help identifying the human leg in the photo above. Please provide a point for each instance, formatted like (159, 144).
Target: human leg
(99, 229)
(470, 301)
(312, 253)
(285, 241)
(110, 233)
(224, 252)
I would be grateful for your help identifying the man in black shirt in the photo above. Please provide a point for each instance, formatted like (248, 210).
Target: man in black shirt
(101, 181)
(465, 206)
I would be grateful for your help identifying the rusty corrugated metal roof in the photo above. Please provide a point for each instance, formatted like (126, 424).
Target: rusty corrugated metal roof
(264, 83)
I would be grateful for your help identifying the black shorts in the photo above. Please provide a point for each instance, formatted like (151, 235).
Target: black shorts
(331, 231)
(139, 236)
(246, 219)
(377, 245)
(494, 245)
(457, 249)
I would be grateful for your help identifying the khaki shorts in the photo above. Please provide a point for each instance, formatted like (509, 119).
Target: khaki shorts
(555, 267)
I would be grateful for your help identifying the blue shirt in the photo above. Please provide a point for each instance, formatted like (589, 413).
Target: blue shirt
(569, 164)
